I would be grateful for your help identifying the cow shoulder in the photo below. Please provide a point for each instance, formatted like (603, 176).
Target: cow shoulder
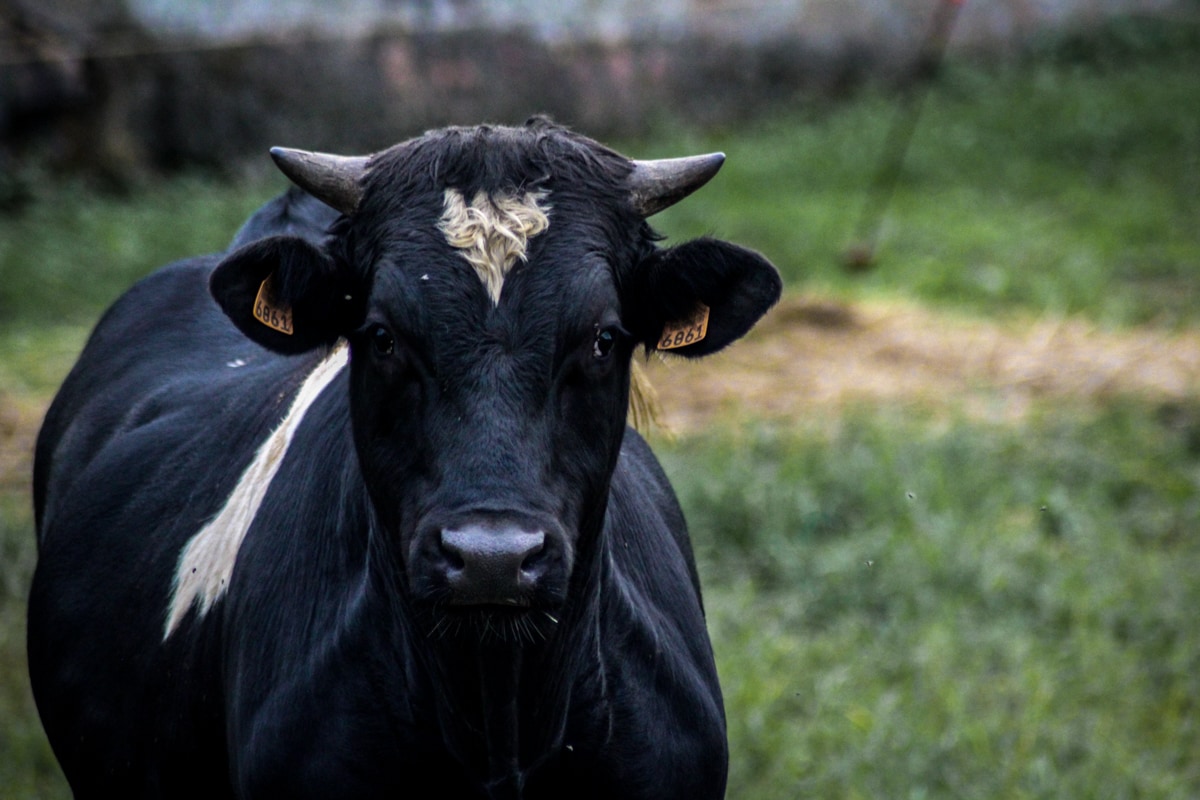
(136, 349)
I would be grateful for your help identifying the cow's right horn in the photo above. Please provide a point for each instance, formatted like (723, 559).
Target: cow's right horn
(655, 185)
(334, 180)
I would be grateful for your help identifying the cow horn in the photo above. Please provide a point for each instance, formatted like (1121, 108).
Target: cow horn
(655, 185)
(334, 180)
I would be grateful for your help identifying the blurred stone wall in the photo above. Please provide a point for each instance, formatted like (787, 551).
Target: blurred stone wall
(118, 86)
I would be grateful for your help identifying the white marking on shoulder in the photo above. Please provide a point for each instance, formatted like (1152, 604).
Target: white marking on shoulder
(493, 231)
(206, 563)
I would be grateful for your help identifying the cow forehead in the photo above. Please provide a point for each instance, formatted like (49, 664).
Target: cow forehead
(487, 192)
(491, 231)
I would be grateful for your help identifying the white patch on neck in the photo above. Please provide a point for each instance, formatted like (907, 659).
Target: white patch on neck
(206, 564)
(493, 231)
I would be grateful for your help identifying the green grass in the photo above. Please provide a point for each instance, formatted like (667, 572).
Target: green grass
(74, 249)
(1044, 187)
(905, 607)
(27, 767)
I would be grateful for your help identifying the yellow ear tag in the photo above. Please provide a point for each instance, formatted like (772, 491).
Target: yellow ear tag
(686, 331)
(275, 317)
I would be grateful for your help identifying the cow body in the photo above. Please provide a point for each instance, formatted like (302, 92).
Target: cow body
(410, 543)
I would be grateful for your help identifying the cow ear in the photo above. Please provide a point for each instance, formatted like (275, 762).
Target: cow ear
(287, 294)
(700, 296)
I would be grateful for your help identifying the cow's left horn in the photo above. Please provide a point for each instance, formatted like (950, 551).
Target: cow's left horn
(655, 185)
(334, 180)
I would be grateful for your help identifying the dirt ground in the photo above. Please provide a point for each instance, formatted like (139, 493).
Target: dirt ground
(813, 355)
(810, 355)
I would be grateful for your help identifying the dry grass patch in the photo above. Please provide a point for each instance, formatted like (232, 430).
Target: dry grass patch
(820, 354)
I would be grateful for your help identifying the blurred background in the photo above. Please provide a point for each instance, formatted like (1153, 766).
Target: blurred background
(946, 497)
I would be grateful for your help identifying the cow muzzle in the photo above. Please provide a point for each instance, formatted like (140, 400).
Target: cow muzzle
(493, 563)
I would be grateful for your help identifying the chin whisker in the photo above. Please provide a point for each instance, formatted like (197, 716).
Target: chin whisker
(439, 628)
(486, 624)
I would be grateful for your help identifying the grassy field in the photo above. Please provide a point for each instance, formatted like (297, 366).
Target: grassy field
(907, 608)
(906, 601)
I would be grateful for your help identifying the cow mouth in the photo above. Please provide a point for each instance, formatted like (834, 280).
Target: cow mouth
(513, 623)
(500, 604)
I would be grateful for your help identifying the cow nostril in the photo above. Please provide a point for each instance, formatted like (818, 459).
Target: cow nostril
(534, 558)
(454, 559)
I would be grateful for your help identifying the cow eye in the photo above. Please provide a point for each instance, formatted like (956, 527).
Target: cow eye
(605, 340)
(382, 341)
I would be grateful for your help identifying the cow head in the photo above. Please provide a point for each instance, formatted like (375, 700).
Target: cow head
(493, 284)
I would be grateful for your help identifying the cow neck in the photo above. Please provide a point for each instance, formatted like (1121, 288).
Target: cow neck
(499, 692)
(502, 706)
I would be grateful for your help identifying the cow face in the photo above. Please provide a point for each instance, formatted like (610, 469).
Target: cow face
(493, 284)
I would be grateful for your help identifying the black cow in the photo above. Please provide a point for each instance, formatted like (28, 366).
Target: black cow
(371, 524)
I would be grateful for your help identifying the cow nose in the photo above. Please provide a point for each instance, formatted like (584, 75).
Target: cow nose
(491, 565)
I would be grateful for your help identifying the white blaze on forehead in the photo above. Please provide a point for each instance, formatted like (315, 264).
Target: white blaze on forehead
(206, 564)
(493, 231)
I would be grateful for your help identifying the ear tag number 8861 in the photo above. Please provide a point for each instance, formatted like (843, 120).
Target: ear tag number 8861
(275, 317)
(685, 332)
